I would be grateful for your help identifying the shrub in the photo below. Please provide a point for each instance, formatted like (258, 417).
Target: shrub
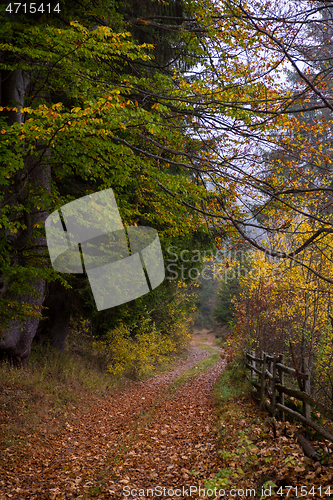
(135, 354)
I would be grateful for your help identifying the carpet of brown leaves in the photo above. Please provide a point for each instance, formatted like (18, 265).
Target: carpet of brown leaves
(158, 434)
(146, 436)
(254, 455)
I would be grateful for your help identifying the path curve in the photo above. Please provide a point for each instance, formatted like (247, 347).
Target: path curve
(145, 437)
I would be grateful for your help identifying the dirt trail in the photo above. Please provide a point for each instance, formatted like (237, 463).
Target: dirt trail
(151, 435)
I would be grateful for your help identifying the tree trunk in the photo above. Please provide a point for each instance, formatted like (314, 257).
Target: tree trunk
(54, 328)
(17, 337)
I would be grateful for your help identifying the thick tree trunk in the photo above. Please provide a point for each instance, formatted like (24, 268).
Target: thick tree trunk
(17, 337)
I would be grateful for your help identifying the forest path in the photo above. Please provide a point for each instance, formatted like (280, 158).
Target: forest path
(155, 434)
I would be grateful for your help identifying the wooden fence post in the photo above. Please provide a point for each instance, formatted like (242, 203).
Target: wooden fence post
(281, 378)
(263, 379)
(273, 387)
(273, 370)
(269, 368)
(307, 389)
(253, 364)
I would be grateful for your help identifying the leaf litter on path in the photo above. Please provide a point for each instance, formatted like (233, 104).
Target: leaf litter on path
(157, 439)
(145, 437)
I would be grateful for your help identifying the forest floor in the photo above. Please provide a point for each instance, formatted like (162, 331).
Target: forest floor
(155, 433)
(165, 437)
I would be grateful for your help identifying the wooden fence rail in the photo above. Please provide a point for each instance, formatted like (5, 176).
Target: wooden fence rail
(269, 380)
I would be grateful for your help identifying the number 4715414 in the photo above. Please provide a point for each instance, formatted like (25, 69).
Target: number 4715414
(303, 491)
(31, 8)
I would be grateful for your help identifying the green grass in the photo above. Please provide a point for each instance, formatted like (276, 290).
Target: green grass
(231, 394)
(220, 342)
(197, 369)
(50, 371)
(232, 384)
(207, 348)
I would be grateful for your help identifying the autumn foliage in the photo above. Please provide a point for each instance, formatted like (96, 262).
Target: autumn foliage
(283, 303)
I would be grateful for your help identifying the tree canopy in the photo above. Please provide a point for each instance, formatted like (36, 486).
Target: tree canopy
(182, 109)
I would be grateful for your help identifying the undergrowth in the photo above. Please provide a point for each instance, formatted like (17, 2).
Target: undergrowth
(51, 384)
(260, 456)
(232, 384)
(137, 350)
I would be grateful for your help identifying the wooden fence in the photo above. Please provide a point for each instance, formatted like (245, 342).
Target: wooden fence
(270, 381)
